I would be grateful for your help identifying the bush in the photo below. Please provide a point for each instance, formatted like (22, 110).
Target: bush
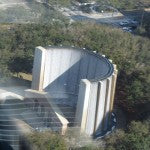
(90, 147)
(46, 141)
(137, 137)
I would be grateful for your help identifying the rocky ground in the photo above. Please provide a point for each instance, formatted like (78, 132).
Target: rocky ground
(24, 11)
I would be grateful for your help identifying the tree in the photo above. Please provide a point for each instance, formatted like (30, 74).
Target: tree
(4, 73)
(137, 137)
(46, 141)
(21, 64)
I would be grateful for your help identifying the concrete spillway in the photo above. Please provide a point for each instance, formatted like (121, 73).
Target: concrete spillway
(78, 78)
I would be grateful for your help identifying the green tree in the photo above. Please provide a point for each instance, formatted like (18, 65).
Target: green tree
(137, 137)
(46, 141)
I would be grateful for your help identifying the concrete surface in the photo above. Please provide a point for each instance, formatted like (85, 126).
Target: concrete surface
(80, 79)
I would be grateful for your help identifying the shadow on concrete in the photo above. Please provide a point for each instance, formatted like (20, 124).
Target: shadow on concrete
(88, 67)
(106, 126)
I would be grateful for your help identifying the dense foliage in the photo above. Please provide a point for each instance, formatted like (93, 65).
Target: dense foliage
(144, 28)
(46, 141)
(137, 137)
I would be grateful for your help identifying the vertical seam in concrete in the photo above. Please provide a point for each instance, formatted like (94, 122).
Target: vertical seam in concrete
(106, 97)
(97, 105)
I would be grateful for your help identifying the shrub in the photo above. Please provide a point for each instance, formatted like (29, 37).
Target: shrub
(46, 141)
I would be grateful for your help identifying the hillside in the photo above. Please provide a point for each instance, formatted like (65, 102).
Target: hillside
(25, 11)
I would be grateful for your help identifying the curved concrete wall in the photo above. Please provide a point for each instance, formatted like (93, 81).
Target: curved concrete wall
(95, 103)
(89, 78)
(63, 68)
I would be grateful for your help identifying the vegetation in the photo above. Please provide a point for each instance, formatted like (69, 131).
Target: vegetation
(53, 141)
(59, 2)
(126, 4)
(144, 28)
(33, 11)
(119, 4)
(88, 147)
(46, 141)
(137, 137)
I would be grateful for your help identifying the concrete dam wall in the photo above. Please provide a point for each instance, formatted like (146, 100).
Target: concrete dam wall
(78, 78)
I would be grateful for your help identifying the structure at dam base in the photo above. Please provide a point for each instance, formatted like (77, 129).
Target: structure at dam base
(77, 86)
